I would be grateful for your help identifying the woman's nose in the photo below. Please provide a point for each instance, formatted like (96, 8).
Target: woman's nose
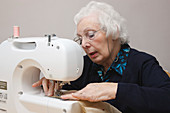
(85, 43)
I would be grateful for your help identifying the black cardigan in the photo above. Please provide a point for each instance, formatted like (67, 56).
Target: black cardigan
(144, 87)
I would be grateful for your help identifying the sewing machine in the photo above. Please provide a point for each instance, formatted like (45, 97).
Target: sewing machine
(22, 60)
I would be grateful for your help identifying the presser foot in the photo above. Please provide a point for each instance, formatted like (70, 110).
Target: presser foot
(58, 93)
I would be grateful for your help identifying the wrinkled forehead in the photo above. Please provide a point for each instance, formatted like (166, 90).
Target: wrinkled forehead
(88, 23)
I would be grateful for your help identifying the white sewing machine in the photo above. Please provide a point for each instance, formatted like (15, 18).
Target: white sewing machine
(22, 60)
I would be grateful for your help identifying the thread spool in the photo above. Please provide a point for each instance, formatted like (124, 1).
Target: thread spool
(16, 31)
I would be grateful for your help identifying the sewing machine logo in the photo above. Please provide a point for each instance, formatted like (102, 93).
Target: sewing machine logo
(3, 85)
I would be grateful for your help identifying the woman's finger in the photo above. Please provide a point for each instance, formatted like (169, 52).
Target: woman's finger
(38, 83)
(69, 96)
(51, 88)
(80, 95)
(45, 85)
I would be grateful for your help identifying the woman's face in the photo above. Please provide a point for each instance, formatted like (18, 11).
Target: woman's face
(94, 40)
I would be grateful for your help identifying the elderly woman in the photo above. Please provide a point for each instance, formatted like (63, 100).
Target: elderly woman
(128, 79)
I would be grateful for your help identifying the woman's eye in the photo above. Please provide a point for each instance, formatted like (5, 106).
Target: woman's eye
(90, 34)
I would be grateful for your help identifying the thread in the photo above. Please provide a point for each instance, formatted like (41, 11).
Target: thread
(16, 31)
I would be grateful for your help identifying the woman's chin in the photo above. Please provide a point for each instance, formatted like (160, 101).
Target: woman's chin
(96, 60)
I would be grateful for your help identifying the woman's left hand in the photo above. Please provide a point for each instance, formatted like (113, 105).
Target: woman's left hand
(95, 92)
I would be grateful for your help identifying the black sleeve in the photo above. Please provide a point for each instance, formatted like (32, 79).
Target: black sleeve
(153, 95)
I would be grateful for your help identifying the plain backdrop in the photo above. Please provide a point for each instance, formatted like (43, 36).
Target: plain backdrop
(148, 21)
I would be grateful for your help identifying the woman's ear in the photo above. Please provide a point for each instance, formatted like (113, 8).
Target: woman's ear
(116, 35)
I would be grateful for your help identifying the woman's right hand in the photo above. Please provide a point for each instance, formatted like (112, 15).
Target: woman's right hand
(48, 86)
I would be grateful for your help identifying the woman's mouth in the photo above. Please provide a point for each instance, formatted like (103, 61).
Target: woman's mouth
(93, 54)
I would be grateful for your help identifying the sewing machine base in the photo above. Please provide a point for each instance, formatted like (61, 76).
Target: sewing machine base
(39, 103)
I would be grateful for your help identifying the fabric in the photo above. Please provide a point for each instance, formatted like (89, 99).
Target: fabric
(168, 73)
(91, 107)
(97, 107)
(143, 87)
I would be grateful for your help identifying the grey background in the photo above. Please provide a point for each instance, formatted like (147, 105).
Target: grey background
(148, 21)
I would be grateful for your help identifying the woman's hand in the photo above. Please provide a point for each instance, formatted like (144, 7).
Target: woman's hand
(48, 86)
(95, 92)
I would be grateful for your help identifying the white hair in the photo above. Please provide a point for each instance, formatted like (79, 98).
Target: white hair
(109, 19)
